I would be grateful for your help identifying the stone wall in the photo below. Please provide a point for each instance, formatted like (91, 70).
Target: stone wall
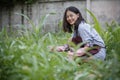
(104, 10)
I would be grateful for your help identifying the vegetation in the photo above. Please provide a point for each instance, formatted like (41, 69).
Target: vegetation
(27, 56)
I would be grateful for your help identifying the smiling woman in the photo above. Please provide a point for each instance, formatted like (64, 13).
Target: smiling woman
(82, 33)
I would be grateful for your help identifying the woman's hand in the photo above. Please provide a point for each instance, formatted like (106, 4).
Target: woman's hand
(80, 52)
(60, 48)
(63, 48)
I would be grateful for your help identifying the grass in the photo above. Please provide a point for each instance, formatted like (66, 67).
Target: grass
(27, 56)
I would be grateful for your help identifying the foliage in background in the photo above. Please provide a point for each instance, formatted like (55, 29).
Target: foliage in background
(112, 39)
(27, 56)
(96, 25)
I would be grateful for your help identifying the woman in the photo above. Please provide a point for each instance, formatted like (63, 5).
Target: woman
(82, 33)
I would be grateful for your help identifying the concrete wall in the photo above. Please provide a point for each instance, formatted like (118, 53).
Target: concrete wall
(104, 10)
(40, 9)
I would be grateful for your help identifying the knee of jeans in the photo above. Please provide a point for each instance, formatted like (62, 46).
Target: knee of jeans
(100, 57)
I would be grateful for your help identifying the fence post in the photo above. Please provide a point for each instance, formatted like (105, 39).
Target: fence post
(88, 5)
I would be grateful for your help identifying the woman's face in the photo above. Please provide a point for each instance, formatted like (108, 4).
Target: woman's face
(71, 17)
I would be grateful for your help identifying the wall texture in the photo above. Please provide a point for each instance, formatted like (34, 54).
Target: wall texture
(104, 10)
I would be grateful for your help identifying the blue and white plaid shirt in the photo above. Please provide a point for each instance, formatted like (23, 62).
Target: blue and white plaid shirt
(91, 36)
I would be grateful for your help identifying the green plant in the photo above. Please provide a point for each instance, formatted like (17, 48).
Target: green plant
(96, 25)
(111, 37)
(27, 57)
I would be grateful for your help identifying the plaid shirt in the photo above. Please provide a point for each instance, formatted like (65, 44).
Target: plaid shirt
(90, 35)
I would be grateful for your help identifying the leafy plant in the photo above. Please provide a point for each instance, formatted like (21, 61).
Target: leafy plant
(96, 25)
(27, 57)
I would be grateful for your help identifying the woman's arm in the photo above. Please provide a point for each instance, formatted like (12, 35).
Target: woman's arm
(82, 51)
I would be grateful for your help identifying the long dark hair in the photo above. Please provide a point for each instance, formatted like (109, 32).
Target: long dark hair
(66, 25)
